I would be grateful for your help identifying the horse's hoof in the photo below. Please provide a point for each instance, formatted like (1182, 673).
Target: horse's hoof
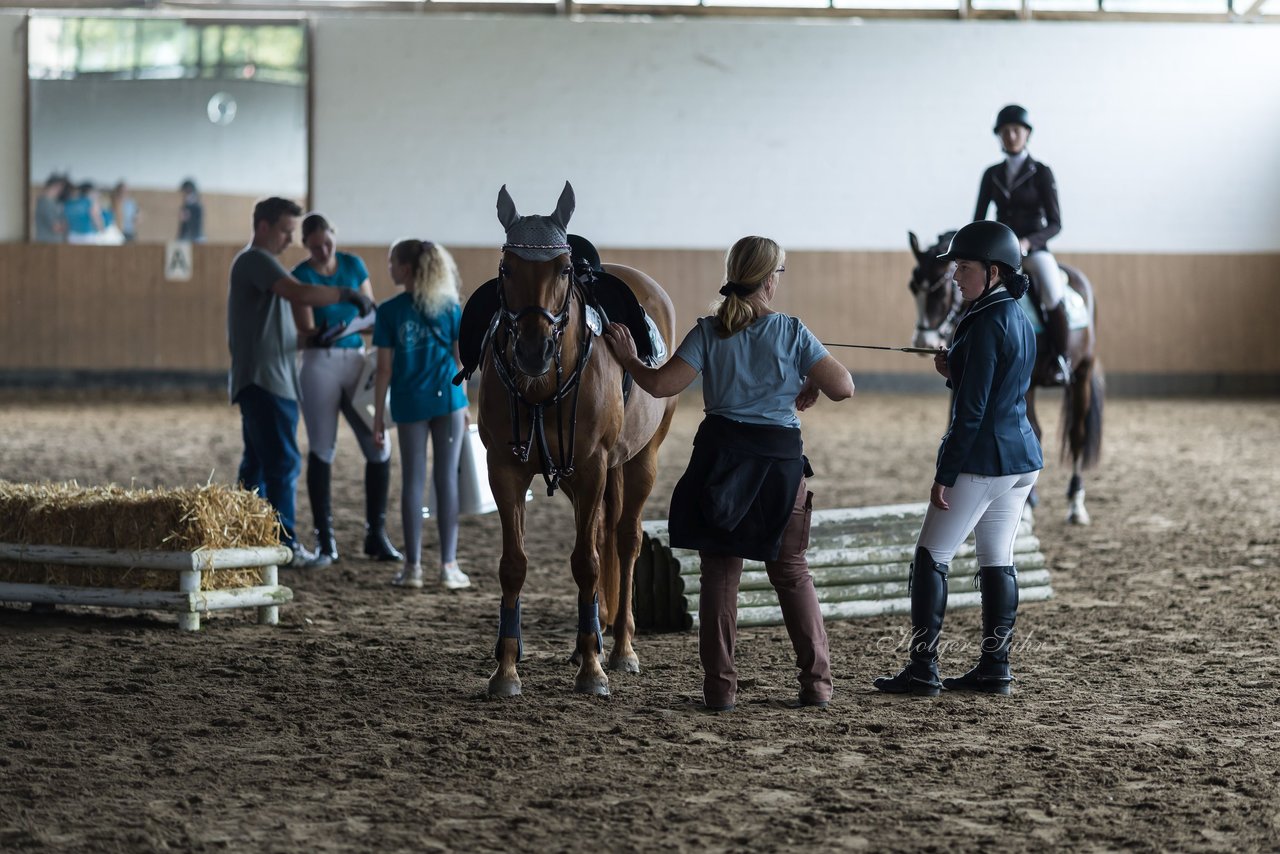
(503, 685)
(625, 663)
(597, 685)
(1078, 519)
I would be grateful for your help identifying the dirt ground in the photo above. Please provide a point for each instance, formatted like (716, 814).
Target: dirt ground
(1146, 715)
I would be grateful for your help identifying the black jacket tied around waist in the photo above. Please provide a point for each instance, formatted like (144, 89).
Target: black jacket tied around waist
(737, 494)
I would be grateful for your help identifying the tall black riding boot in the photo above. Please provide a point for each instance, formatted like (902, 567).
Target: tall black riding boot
(1060, 340)
(377, 482)
(318, 477)
(999, 611)
(928, 607)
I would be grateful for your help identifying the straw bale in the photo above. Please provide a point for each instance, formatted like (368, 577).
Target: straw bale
(188, 519)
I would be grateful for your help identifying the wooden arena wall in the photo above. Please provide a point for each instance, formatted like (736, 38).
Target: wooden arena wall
(1200, 323)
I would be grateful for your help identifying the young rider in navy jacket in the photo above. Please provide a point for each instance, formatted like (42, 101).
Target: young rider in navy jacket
(987, 463)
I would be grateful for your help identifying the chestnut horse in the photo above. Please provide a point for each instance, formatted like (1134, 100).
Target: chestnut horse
(551, 403)
(939, 307)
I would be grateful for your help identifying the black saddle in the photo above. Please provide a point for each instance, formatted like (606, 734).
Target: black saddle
(604, 292)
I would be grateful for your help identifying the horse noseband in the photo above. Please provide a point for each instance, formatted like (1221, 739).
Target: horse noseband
(552, 470)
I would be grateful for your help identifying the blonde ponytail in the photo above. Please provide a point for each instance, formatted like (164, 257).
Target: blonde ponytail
(748, 265)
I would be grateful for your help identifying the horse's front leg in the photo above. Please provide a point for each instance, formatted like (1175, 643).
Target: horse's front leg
(588, 498)
(637, 481)
(509, 485)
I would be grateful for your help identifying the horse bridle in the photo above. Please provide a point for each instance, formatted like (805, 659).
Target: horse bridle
(507, 321)
(947, 325)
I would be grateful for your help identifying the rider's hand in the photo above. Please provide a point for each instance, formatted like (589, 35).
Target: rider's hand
(807, 397)
(940, 363)
(359, 300)
(620, 342)
(938, 496)
(1026, 246)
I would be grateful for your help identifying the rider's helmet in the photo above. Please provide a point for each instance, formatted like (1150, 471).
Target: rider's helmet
(1013, 115)
(986, 241)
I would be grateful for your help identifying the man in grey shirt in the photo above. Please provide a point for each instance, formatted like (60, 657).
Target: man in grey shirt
(264, 376)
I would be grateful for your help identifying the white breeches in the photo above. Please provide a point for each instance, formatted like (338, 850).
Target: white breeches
(988, 507)
(328, 378)
(1042, 267)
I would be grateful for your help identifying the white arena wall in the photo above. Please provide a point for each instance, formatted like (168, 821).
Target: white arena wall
(824, 134)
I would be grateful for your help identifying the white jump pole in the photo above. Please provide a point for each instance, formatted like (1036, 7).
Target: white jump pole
(269, 615)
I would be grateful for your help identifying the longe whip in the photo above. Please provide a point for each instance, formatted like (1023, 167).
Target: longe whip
(925, 350)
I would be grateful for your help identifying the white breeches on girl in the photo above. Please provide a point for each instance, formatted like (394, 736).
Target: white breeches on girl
(990, 507)
(328, 379)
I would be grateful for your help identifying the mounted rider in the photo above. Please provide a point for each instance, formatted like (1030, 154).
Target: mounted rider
(1026, 198)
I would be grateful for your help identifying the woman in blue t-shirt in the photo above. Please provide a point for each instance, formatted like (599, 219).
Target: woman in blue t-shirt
(329, 379)
(744, 494)
(416, 334)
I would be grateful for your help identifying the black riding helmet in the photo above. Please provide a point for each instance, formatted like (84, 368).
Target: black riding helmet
(986, 241)
(1013, 115)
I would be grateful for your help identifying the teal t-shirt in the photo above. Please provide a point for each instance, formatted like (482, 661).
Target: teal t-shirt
(423, 366)
(755, 375)
(350, 273)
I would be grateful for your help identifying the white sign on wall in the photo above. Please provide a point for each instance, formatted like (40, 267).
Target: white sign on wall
(178, 261)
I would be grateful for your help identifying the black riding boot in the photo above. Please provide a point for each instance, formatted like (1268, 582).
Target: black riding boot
(999, 611)
(928, 606)
(318, 477)
(377, 482)
(1060, 340)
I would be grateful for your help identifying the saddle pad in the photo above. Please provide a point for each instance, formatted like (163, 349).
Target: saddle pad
(621, 306)
(1077, 311)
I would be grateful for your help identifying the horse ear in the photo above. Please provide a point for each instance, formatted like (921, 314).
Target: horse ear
(506, 209)
(564, 207)
(915, 244)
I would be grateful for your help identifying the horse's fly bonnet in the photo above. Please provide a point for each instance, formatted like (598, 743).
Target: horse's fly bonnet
(536, 238)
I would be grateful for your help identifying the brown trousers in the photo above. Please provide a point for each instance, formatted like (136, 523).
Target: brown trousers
(789, 575)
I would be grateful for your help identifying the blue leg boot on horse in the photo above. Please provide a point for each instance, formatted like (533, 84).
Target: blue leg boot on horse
(509, 650)
(928, 607)
(590, 680)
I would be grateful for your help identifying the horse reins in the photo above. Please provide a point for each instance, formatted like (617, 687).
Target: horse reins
(552, 471)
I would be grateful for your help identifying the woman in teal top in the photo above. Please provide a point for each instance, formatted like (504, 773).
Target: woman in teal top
(80, 210)
(416, 334)
(329, 378)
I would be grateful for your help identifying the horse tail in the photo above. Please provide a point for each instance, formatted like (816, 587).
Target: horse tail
(1086, 425)
(607, 546)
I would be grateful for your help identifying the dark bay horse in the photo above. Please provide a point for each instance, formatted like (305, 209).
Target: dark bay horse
(939, 307)
(551, 403)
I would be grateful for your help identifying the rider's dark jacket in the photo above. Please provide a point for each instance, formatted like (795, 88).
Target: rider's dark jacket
(1028, 204)
(990, 363)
